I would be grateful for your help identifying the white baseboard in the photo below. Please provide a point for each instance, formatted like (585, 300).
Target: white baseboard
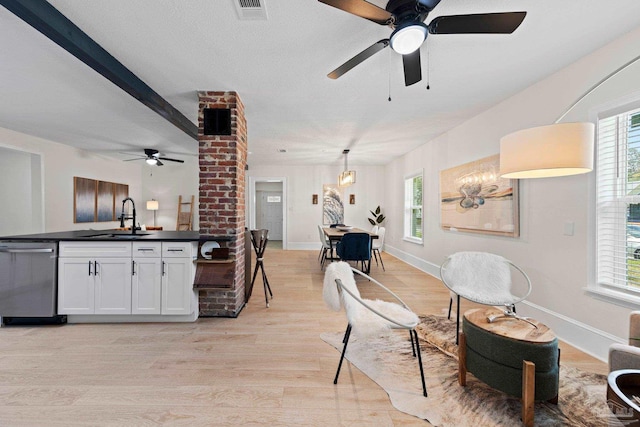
(133, 318)
(414, 261)
(584, 337)
(580, 335)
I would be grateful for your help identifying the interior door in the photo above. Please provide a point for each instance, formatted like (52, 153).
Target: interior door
(270, 213)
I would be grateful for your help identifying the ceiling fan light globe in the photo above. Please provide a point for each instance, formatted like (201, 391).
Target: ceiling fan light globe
(152, 161)
(408, 38)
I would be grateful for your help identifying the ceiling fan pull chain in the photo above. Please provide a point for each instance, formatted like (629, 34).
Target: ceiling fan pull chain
(390, 58)
(428, 67)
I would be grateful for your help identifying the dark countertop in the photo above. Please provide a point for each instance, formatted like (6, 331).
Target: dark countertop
(112, 235)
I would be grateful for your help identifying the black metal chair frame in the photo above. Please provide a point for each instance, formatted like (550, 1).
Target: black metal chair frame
(259, 239)
(413, 335)
(376, 255)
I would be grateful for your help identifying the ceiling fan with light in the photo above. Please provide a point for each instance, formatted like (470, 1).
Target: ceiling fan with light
(153, 157)
(406, 18)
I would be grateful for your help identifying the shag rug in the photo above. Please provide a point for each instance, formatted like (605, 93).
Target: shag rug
(388, 360)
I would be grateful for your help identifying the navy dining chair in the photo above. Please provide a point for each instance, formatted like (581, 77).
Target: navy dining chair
(356, 247)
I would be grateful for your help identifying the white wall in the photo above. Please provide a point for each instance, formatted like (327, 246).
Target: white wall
(560, 266)
(303, 217)
(60, 164)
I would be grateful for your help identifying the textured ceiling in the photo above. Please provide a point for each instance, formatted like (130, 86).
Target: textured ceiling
(279, 67)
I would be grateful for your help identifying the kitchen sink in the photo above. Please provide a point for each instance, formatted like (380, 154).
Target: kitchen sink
(117, 236)
(128, 236)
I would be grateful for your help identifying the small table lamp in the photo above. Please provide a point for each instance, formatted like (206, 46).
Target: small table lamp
(152, 205)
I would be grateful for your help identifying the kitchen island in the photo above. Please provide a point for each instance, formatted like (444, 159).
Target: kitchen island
(118, 276)
(110, 235)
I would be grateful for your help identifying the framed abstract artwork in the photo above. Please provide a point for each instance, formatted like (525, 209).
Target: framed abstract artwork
(474, 198)
(105, 201)
(84, 200)
(97, 201)
(332, 205)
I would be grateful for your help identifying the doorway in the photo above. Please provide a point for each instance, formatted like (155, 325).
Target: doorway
(269, 211)
(267, 207)
(22, 210)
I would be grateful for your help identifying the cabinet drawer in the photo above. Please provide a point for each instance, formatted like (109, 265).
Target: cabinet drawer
(176, 249)
(147, 249)
(94, 249)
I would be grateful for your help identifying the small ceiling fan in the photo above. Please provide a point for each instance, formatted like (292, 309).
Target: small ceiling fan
(153, 157)
(406, 18)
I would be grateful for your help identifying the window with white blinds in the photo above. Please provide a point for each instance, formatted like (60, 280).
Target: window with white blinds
(413, 208)
(618, 201)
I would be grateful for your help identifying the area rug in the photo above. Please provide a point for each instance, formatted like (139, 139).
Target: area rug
(388, 360)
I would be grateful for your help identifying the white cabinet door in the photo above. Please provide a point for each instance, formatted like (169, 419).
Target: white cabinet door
(113, 286)
(75, 286)
(146, 286)
(177, 285)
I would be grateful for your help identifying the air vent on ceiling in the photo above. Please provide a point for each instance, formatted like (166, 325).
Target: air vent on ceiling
(251, 9)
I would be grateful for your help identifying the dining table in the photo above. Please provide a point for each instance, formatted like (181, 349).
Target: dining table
(334, 234)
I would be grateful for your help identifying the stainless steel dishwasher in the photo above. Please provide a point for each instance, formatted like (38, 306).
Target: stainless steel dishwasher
(28, 283)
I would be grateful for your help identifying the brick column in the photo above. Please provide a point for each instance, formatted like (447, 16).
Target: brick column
(223, 160)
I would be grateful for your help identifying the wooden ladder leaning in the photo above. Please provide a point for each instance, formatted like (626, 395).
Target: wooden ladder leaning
(185, 216)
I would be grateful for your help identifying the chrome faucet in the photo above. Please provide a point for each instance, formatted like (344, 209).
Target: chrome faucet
(133, 217)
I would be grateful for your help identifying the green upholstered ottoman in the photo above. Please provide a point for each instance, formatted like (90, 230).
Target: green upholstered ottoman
(510, 355)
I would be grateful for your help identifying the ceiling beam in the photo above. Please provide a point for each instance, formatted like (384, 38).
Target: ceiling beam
(49, 21)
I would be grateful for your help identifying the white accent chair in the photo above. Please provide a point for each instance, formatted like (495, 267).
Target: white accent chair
(484, 278)
(366, 316)
(377, 244)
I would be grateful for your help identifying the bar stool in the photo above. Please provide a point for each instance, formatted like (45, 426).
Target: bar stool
(259, 241)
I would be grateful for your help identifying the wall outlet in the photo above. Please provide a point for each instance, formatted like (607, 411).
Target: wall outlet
(569, 228)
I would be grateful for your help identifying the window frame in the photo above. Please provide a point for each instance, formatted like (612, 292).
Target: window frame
(616, 291)
(409, 207)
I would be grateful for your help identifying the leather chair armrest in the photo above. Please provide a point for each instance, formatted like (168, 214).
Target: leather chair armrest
(623, 356)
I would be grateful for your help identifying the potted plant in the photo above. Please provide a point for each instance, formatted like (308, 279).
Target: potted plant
(378, 217)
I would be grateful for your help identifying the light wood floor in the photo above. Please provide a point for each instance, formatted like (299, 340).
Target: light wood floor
(267, 367)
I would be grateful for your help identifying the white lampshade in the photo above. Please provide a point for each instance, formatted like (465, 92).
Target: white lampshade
(557, 150)
(152, 205)
(408, 38)
(151, 161)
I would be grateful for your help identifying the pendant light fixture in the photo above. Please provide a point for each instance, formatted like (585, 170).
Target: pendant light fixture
(347, 177)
